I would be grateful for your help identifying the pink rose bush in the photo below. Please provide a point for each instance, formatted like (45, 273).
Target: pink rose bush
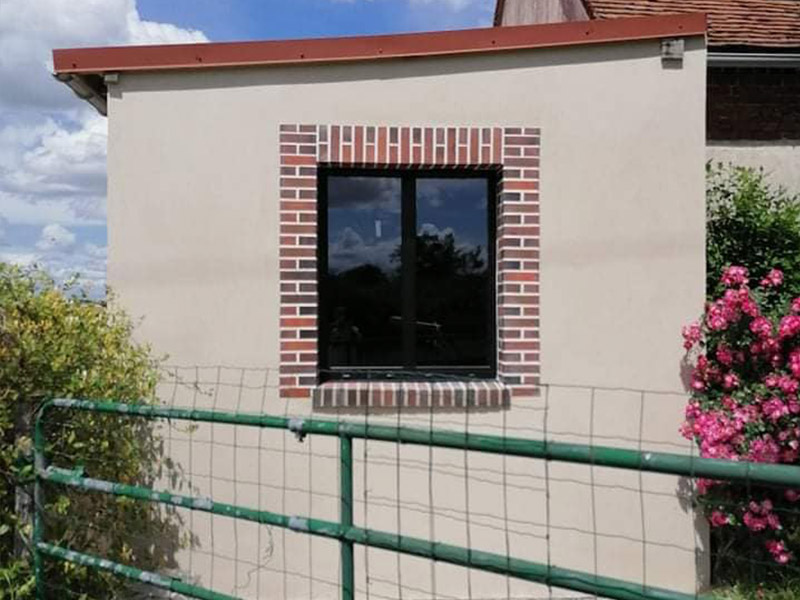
(745, 380)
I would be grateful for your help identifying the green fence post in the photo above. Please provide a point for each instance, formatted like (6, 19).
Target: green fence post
(346, 512)
(38, 501)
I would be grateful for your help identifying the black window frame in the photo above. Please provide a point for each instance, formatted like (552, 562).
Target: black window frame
(408, 176)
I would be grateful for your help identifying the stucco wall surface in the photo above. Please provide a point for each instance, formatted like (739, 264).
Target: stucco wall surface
(193, 251)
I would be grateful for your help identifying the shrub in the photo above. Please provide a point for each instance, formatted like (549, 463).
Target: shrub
(750, 222)
(55, 342)
(745, 406)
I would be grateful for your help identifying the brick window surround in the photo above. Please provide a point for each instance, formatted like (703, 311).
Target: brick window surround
(514, 151)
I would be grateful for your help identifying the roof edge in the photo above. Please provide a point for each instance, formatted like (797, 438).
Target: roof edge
(76, 61)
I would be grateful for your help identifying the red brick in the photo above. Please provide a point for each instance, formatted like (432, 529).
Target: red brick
(503, 345)
(427, 156)
(297, 138)
(520, 185)
(521, 140)
(518, 299)
(298, 229)
(290, 369)
(298, 299)
(497, 145)
(519, 276)
(521, 162)
(296, 393)
(451, 146)
(524, 230)
(297, 160)
(473, 146)
(298, 276)
(334, 148)
(299, 206)
(381, 145)
(302, 345)
(359, 144)
(299, 182)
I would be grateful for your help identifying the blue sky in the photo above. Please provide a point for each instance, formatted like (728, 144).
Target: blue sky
(225, 20)
(53, 146)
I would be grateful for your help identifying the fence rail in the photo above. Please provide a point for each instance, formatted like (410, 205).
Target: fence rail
(349, 534)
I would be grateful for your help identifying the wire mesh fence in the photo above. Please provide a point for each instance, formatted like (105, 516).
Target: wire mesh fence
(477, 508)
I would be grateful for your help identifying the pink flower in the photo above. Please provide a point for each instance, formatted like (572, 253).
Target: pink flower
(691, 335)
(734, 275)
(718, 519)
(794, 362)
(789, 326)
(750, 308)
(724, 355)
(773, 522)
(791, 495)
(764, 450)
(716, 317)
(761, 327)
(774, 409)
(796, 305)
(703, 485)
(773, 279)
(778, 551)
(788, 385)
(730, 381)
(754, 523)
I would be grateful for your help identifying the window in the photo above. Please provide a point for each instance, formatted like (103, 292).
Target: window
(406, 273)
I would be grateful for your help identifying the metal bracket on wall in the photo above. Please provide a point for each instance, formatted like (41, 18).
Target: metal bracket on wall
(672, 52)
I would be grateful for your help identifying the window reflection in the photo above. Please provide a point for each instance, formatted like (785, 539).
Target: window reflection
(433, 312)
(452, 271)
(363, 277)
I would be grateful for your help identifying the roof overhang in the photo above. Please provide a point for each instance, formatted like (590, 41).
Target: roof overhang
(83, 69)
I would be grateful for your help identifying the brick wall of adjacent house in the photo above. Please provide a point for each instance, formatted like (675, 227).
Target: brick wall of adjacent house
(753, 104)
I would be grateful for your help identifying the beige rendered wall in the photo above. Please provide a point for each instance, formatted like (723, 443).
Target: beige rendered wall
(780, 160)
(193, 247)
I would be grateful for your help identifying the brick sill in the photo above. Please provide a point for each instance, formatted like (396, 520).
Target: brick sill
(409, 394)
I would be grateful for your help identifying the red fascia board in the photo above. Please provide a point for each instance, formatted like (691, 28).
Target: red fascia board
(492, 39)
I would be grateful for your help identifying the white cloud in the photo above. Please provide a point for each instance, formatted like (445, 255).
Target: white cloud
(55, 237)
(349, 249)
(30, 29)
(52, 145)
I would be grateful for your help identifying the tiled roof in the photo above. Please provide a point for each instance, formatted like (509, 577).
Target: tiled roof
(763, 23)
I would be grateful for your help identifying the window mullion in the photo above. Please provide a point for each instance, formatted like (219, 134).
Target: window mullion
(408, 270)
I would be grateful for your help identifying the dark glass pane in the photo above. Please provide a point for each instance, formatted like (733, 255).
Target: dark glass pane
(362, 300)
(453, 274)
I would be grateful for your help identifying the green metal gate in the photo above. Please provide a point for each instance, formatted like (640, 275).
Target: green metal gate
(349, 534)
